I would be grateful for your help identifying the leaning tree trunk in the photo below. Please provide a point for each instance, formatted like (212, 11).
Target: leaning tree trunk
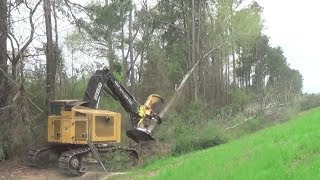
(50, 56)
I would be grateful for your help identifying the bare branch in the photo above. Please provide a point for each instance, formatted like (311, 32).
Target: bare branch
(15, 83)
(6, 107)
(271, 105)
(33, 55)
(12, 48)
(25, 46)
(134, 61)
(234, 126)
(133, 38)
(75, 4)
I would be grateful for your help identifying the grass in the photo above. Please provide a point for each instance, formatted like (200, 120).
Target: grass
(287, 151)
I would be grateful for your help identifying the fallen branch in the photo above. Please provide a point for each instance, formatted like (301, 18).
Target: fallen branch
(6, 107)
(234, 126)
(271, 105)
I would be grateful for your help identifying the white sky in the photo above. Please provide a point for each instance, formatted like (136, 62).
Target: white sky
(294, 25)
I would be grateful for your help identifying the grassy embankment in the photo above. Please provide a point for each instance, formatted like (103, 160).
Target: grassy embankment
(286, 151)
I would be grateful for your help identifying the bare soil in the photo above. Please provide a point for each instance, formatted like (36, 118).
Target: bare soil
(19, 170)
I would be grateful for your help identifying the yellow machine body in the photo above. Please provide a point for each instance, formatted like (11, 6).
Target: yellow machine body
(80, 124)
(78, 132)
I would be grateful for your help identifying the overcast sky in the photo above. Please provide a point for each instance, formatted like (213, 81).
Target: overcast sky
(295, 26)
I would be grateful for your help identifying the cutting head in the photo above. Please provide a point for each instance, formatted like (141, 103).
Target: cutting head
(155, 103)
(139, 135)
(148, 119)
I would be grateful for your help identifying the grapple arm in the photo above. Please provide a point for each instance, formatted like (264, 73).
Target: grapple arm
(143, 117)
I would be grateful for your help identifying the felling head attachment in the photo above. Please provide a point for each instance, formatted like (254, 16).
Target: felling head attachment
(148, 119)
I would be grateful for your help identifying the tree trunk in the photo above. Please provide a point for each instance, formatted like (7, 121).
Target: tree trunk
(234, 77)
(188, 47)
(132, 80)
(110, 52)
(124, 59)
(14, 70)
(193, 35)
(55, 23)
(50, 56)
(221, 80)
(199, 46)
(227, 78)
(4, 91)
(141, 67)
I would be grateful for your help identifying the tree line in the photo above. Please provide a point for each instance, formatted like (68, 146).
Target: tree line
(149, 46)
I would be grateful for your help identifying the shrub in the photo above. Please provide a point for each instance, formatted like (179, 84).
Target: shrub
(191, 129)
(202, 137)
(310, 101)
(241, 97)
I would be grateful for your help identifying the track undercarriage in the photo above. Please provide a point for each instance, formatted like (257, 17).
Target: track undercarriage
(78, 159)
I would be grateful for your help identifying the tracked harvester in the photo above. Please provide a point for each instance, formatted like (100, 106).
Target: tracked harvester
(82, 137)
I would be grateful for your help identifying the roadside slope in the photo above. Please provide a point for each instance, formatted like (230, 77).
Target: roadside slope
(287, 151)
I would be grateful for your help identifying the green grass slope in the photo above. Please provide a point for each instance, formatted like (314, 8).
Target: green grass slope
(287, 151)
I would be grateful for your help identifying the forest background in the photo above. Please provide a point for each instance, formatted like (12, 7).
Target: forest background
(241, 84)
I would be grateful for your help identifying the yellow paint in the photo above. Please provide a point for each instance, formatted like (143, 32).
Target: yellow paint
(146, 109)
(81, 123)
(75, 126)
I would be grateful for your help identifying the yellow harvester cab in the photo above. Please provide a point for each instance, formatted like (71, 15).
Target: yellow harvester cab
(77, 125)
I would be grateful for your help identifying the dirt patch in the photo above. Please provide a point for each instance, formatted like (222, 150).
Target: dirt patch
(18, 170)
(151, 149)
